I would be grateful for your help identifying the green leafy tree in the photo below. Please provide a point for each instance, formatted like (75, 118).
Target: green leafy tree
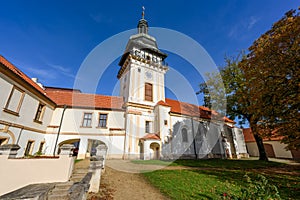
(232, 86)
(264, 86)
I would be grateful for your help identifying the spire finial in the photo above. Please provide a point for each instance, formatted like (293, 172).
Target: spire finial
(143, 12)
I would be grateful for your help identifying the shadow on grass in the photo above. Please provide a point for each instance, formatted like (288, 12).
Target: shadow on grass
(228, 164)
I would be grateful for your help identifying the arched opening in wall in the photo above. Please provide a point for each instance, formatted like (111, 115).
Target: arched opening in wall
(91, 147)
(75, 142)
(5, 133)
(269, 150)
(154, 151)
(3, 140)
(184, 135)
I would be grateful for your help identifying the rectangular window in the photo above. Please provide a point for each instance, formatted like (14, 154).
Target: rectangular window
(29, 148)
(41, 147)
(102, 120)
(87, 120)
(147, 126)
(40, 113)
(166, 122)
(14, 101)
(148, 92)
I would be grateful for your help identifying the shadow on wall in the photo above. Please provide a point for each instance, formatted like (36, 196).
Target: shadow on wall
(193, 139)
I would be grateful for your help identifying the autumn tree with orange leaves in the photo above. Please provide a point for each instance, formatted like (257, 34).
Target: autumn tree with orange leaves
(272, 74)
(263, 86)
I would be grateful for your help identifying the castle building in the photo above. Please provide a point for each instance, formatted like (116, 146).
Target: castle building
(140, 123)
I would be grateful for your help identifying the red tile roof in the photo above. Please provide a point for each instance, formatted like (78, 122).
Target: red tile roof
(76, 99)
(249, 137)
(151, 136)
(193, 110)
(162, 103)
(9, 66)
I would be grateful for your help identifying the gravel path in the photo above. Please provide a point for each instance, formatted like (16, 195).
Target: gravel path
(120, 185)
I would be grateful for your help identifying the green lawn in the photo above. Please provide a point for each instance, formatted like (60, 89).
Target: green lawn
(225, 176)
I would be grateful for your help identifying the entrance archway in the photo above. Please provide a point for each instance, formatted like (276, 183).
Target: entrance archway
(75, 142)
(154, 151)
(91, 148)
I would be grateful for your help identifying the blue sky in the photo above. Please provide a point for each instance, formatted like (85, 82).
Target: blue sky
(50, 39)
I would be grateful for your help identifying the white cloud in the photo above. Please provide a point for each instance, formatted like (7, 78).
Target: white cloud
(252, 21)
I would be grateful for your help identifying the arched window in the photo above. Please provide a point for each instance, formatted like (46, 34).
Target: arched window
(184, 135)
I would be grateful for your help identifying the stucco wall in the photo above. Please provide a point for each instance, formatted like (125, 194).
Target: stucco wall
(17, 173)
(278, 148)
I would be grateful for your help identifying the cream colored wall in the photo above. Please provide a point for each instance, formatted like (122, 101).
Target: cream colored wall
(73, 118)
(24, 128)
(28, 108)
(135, 82)
(278, 148)
(72, 129)
(17, 173)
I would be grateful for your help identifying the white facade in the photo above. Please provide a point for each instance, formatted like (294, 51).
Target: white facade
(142, 125)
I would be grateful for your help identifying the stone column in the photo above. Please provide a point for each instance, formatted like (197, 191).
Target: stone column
(66, 150)
(96, 165)
(9, 150)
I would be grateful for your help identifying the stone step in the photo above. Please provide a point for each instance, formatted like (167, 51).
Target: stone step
(64, 185)
(58, 197)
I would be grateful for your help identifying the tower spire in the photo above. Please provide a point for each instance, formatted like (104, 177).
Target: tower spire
(143, 24)
(143, 12)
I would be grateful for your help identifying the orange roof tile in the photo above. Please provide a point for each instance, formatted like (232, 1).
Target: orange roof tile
(193, 110)
(162, 103)
(9, 66)
(151, 136)
(249, 137)
(76, 99)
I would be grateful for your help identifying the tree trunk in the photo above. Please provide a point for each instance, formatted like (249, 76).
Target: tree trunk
(261, 148)
(259, 141)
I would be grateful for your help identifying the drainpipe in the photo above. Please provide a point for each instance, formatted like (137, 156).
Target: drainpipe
(19, 136)
(194, 140)
(58, 132)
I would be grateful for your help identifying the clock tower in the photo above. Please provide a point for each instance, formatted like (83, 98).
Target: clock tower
(142, 68)
(142, 77)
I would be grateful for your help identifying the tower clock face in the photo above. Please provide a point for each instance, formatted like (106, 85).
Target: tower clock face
(148, 75)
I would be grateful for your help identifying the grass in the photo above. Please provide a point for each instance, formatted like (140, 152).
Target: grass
(77, 160)
(213, 163)
(225, 176)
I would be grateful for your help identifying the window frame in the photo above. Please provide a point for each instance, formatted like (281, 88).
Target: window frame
(106, 119)
(184, 135)
(83, 120)
(41, 146)
(30, 148)
(148, 90)
(147, 128)
(6, 108)
(39, 118)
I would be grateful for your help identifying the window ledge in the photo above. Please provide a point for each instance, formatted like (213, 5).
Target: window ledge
(100, 127)
(38, 121)
(11, 112)
(86, 127)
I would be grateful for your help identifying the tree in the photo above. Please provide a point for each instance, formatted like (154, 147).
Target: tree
(272, 73)
(231, 85)
(264, 86)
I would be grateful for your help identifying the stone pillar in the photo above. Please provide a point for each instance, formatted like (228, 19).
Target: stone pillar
(66, 150)
(101, 151)
(9, 150)
(96, 165)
